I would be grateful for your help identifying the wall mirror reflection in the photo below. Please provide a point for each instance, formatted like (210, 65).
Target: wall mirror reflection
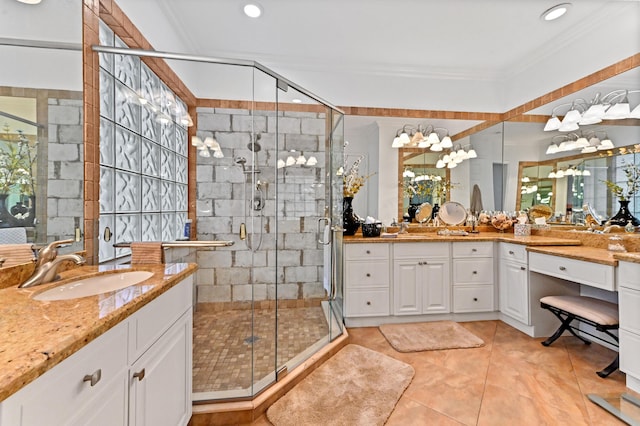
(41, 125)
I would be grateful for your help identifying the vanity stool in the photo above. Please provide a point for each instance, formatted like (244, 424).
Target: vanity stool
(598, 313)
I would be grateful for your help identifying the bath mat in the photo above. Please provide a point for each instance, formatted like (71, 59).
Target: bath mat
(357, 386)
(429, 336)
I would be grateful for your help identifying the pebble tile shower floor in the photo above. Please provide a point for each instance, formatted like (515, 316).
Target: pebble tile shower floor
(223, 342)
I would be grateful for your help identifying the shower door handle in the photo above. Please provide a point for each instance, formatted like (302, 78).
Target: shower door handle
(323, 237)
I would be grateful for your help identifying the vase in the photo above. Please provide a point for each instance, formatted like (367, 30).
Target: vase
(6, 218)
(413, 208)
(350, 222)
(624, 215)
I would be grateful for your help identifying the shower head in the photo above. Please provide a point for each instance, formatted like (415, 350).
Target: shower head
(241, 161)
(254, 146)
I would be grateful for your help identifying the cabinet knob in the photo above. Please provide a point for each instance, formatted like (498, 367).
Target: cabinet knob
(139, 375)
(562, 268)
(368, 303)
(475, 272)
(511, 252)
(475, 299)
(522, 268)
(368, 251)
(93, 378)
(368, 274)
(474, 250)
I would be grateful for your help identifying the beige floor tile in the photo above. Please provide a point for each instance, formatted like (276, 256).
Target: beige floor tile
(409, 412)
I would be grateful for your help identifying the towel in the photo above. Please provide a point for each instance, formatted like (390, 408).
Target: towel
(15, 254)
(476, 200)
(13, 235)
(147, 252)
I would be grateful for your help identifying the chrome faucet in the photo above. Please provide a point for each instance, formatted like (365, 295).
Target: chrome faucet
(47, 264)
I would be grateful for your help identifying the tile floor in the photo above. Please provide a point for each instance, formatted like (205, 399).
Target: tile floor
(225, 345)
(512, 380)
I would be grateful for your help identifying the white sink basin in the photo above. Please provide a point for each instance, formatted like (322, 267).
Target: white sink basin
(94, 285)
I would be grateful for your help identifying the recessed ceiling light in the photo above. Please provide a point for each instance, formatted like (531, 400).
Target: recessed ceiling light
(30, 1)
(296, 101)
(555, 12)
(252, 10)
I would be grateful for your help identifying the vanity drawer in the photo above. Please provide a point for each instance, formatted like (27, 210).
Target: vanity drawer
(473, 271)
(420, 250)
(367, 274)
(579, 271)
(629, 301)
(515, 252)
(629, 350)
(628, 274)
(367, 302)
(473, 298)
(473, 249)
(366, 251)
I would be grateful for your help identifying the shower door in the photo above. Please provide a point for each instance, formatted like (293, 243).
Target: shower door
(309, 213)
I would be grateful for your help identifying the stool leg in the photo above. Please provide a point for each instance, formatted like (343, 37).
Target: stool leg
(609, 368)
(564, 327)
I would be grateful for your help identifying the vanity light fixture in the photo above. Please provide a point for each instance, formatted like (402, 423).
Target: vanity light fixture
(590, 142)
(420, 136)
(30, 1)
(252, 10)
(614, 105)
(555, 12)
(206, 147)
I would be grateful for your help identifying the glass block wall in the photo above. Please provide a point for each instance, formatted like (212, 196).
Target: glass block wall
(143, 154)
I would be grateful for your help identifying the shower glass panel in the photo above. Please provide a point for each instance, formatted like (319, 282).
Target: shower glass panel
(305, 317)
(267, 159)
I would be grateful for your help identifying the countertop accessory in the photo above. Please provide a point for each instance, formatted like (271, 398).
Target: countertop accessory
(452, 213)
(424, 213)
(538, 211)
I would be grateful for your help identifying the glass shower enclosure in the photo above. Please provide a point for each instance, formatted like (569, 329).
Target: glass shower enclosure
(268, 159)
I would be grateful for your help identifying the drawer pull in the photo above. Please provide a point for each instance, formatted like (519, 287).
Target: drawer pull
(475, 299)
(522, 268)
(474, 250)
(368, 274)
(562, 268)
(475, 272)
(368, 251)
(511, 252)
(139, 375)
(368, 303)
(93, 378)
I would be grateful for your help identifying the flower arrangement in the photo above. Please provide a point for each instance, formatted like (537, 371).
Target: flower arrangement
(352, 181)
(428, 185)
(632, 172)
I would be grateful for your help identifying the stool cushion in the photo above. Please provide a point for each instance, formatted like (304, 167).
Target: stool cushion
(596, 310)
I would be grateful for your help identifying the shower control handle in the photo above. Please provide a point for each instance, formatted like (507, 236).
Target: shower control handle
(320, 231)
(243, 231)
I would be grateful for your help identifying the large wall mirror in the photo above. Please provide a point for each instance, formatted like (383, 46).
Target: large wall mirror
(571, 181)
(41, 123)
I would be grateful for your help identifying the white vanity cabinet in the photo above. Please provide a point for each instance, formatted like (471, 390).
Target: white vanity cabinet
(96, 385)
(514, 281)
(629, 333)
(421, 277)
(473, 276)
(367, 276)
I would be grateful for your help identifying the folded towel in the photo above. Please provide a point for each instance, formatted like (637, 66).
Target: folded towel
(15, 254)
(13, 235)
(147, 252)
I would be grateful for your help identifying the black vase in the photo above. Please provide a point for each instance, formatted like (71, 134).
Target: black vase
(350, 222)
(412, 210)
(624, 215)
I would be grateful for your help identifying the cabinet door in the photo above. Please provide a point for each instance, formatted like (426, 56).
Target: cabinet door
(110, 409)
(436, 291)
(407, 277)
(514, 294)
(160, 381)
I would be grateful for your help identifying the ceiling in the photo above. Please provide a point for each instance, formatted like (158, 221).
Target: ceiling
(461, 55)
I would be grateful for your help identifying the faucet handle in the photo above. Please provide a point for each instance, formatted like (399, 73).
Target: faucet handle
(49, 252)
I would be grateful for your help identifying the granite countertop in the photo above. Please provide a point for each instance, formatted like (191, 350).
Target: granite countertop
(532, 240)
(589, 254)
(38, 335)
(628, 257)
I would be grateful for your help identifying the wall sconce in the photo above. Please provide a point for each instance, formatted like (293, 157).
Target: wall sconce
(210, 144)
(569, 171)
(455, 157)
(300, 160)
(612, 106)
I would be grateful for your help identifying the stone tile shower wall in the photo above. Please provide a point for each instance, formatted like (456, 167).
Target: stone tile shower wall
(65, 207)
(236, 274)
